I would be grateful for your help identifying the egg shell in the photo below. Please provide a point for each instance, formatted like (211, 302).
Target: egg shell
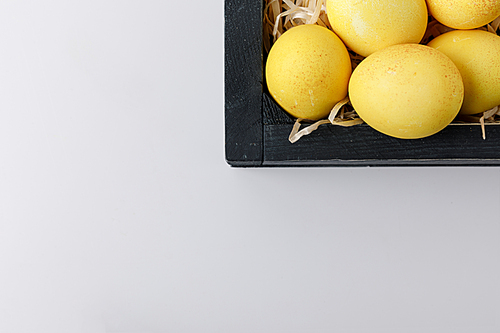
(464, 14)
(307, 71)
(367, 26)
(407, 91)
(476, 53)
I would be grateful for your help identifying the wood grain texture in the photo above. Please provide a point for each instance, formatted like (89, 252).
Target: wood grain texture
(243, 82)
(363, 146)
(273, 114)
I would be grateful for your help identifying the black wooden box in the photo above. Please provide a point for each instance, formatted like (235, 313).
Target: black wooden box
(257, 129)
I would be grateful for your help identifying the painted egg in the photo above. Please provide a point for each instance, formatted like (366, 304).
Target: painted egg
(476, 53)
(307, 71)
(367, 26)
(407, 91)
(464, 14)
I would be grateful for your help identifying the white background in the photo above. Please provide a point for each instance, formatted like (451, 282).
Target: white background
(118, 212)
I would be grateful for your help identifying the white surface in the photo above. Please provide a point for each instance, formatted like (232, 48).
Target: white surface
(118, 212)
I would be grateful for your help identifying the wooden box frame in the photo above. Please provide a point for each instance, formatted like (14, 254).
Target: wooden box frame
(257, 129)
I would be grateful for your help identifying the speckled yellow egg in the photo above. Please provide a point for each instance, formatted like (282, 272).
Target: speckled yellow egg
(407, 91)
(367, 26)
(307, 71)
(476, 53)
(464, 14)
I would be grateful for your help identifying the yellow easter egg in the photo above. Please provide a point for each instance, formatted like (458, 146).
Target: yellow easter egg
(407, 91)
(464, 14)
(476, 53)
(367, 26)
(307, 71)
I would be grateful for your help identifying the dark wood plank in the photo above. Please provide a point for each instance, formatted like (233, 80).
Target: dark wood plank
(361, 145)
(243, 82)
